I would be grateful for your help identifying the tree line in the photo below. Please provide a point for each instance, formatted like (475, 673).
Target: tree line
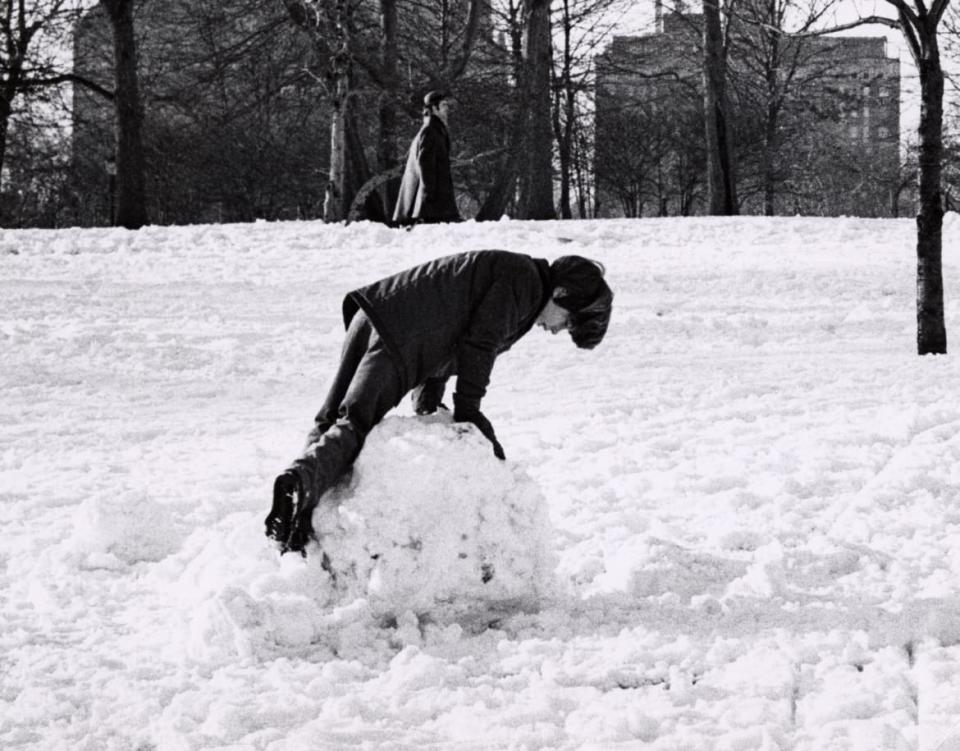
(319, 99)
(303, 108)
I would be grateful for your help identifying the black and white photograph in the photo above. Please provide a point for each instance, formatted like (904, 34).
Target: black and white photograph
(467, 375)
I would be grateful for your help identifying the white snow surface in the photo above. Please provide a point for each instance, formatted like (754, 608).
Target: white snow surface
(733, 525)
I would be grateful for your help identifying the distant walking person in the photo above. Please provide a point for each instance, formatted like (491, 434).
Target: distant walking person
(426, 192)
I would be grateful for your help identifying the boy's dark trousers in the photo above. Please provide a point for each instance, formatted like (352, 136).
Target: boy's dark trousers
(365, 387)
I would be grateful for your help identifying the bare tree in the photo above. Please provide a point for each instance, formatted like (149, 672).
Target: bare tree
(390, 87)
(657, 83)
(920, 21)
(526, 167)
(580, 27)
(438, 38)
(721, 178)
(645, 155)
(331, 26)
(564, 106)
(131, 209)
(37, 168)
(536, 181)
(26, 64)
(583, 164)
(502, 191)
(780, 65)
(625, 163)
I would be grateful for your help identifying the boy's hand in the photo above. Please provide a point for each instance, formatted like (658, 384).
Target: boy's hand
(468, 410)
(427, 396)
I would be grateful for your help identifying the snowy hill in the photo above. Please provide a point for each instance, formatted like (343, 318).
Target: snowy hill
(753, 490)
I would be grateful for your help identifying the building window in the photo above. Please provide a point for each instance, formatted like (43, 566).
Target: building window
(883, 132)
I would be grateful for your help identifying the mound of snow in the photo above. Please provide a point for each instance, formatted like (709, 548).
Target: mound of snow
(428, 530)
(429, 519)
(113, 533)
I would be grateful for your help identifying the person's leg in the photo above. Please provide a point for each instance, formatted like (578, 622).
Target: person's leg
(373, 391)
(288, 486)
(355, 346)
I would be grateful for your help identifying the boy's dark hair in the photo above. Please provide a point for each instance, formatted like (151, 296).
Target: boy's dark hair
(583, 292)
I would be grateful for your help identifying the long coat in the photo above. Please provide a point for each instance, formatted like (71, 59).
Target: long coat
(455, 314)
(426, 191)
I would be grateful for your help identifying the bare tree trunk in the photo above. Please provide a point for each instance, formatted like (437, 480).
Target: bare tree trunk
(501, 193)
(335, 202)
(536, 184)
(12, 78)
(455, 66)
(581, 169)
(720, 178)
(131, 207)
(387, 144)
(772, 127)
(5, 111)
(498, 199)
(564, 94)
(11, 82)
(358, 172)
(563, 149)
(919, 26)
(931, 330)
(769, 164)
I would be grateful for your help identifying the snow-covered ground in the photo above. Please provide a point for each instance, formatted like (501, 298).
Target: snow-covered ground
(753, 492)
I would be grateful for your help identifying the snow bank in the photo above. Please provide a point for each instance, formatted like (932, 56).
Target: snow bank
(752, 485)
(428, 528)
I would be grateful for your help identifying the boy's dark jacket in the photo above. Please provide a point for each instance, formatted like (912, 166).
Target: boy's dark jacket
(454, 314)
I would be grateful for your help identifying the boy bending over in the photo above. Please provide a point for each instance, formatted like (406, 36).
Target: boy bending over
(413, 331)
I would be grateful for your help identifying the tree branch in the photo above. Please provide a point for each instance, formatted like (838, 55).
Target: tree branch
(866, 21)
(35, 83)
(470, 35)
(910, 29)
(938, 9)
(905, 11)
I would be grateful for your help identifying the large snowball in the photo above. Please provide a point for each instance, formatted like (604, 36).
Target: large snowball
(429, 531)
(429, 520)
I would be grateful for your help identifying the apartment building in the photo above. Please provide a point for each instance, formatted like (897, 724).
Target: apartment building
(815, 122)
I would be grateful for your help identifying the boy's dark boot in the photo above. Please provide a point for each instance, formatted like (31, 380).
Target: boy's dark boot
(301, 530)
(298, 490)
(320, 467)
(287, 495)
(288, 522)
(310, 487)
